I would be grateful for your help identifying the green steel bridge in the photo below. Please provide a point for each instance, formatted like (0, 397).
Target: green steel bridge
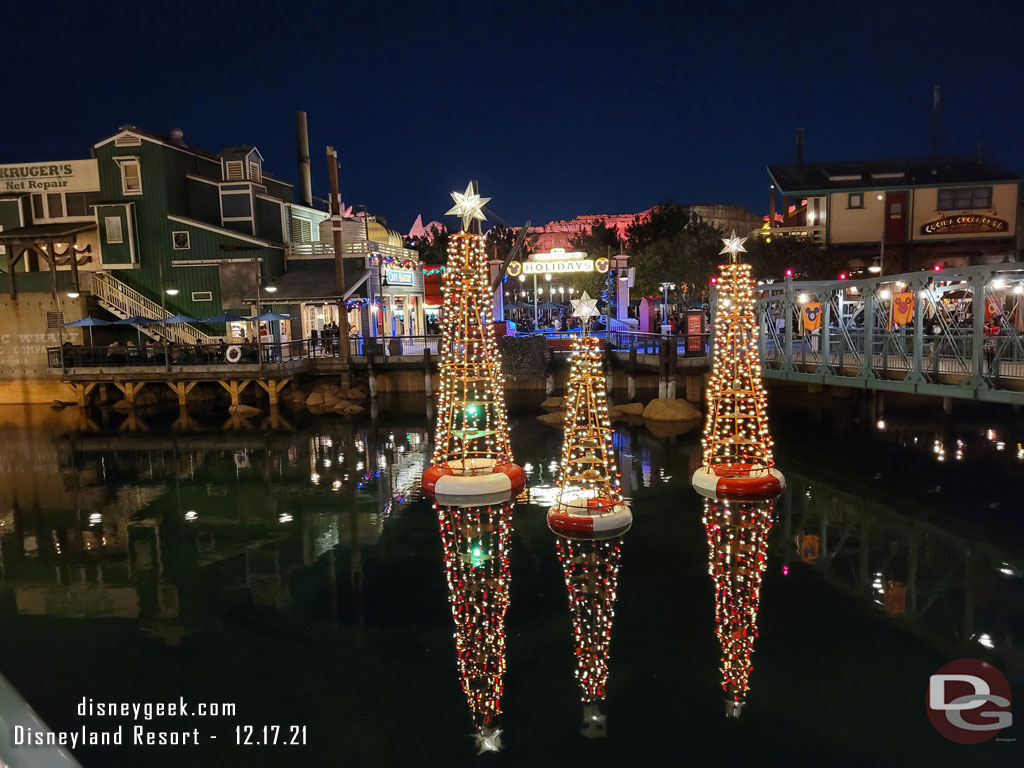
(920, 332)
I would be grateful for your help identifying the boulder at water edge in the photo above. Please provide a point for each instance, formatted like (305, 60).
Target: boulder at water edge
(664, 409)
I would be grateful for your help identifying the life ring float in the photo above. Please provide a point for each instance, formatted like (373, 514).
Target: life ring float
(474, 477)
(739, 481)
(590, 518)
(233, 353)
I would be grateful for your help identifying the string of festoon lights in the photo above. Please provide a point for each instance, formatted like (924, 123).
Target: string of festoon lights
(737, 536)
(736, 442)
(475, 542)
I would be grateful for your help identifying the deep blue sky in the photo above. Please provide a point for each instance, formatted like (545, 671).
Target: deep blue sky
(557, 108)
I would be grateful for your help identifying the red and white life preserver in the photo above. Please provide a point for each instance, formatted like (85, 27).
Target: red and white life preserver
(478, 477)
(739, 481)
(233, 353)
(590, 518)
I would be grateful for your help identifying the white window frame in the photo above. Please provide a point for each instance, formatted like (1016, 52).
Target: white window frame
(106, 230)
(198, 296)
(188, 240)
(124, 162)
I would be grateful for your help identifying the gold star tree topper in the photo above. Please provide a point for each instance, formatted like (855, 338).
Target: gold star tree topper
(468, 206)
(733, 246)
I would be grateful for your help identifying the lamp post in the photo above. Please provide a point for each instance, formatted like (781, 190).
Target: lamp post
(664, 304)
(168, 289)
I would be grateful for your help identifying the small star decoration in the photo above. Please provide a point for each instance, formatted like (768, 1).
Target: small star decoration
(468, 206)
(733, 246)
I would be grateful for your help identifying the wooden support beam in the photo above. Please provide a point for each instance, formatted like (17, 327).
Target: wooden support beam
(82, 392)
(235, 388)
(273, 388)
(130, 389)
(182, 390)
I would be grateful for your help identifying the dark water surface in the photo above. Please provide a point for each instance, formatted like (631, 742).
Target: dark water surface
(297, 575)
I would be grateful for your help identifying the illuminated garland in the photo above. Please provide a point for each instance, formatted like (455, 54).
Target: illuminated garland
(433, 270)
(476, 543)
(588, 464)
(399, 261)
(737, 534)
(471, 418)
(736, 431)
(591, 570)
(360, 303)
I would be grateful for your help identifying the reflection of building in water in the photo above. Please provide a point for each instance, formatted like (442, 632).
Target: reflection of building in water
(591, 570)
(476, 544)
(737, 534)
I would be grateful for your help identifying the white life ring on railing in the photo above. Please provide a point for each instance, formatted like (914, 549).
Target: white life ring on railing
(233, 353)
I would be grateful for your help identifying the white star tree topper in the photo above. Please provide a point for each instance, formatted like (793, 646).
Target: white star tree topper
(584, 307)
(733, 246)
(488, 740)
(468, 206)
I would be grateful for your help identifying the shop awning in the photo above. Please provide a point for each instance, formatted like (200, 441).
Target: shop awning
(313, 281)
(41, 234)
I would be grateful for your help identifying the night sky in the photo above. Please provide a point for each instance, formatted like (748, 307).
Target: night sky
(558, 109)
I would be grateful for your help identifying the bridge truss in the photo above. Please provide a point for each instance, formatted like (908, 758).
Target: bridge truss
(869, 336)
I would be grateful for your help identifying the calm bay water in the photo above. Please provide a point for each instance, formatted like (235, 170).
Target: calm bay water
(298, 575)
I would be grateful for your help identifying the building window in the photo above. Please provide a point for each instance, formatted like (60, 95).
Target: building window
(236, 206)
(302, 230)
(37, 207)
(131, 176)
(202, 295)
(234, 170)
(112, 224)
(55, 205)
(964, 198)
(856, 200)
(80, 203)
(180, 241)
(254, 172)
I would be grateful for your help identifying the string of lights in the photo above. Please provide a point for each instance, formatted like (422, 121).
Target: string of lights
(737, 535)
(736, 431)
(475, 542)
(588, 469)
(472, 424)
(591, 570)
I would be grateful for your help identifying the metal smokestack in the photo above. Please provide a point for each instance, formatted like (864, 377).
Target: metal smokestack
(799, 146)
(302, 140)
(936, 122)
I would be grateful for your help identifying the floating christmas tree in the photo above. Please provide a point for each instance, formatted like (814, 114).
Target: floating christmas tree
(471, 443)
(589, 500)
(737, 457)
(737, 534)
(591, 569)
(476, 543)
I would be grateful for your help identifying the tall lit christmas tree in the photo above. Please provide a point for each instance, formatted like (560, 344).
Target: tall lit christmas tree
(476, 543)
(737, 456)
(589, 499)
(471, 439)
(591, 569)
(737, 535)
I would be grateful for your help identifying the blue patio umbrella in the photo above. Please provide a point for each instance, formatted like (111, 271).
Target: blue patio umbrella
(137, 320)
(227, 317)
(269, 316)
(173, 319)
(88, 322)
